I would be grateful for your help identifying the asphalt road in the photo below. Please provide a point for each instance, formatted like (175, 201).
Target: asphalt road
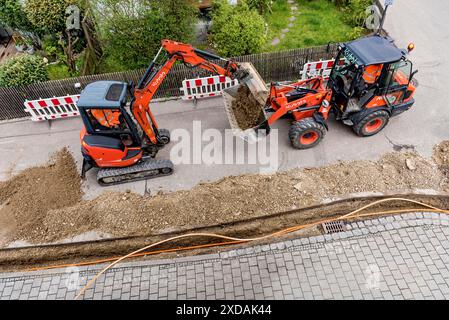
(426, 23)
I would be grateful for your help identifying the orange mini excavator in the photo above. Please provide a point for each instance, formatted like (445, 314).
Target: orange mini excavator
(120, 134)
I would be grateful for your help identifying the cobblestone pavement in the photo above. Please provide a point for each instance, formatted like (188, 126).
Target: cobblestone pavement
(401, 257)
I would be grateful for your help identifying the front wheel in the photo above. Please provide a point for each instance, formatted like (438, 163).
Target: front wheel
(306, 133)
(372, 123)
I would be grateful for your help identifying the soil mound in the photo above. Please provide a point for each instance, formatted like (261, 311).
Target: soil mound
(45, 202)
(246, 109)
(27, 197)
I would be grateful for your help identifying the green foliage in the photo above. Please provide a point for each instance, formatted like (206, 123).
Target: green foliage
(237, 30)
(263, 6)
(355, 11)
(22, 70)
(52, 47)
(48, 15)
(178, 18)
(132, 30)
(58, 71)
(13, 15)
(356, 33)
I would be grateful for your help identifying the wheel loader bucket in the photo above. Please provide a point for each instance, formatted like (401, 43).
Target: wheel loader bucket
(245, 105)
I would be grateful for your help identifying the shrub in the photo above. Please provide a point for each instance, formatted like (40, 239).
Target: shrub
(22, 70)
(132, 30)
(48, 15)
(263, 6)
(13, 16)
(356, 11)
(237, 30)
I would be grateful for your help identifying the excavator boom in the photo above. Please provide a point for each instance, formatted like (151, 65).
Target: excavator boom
(192, 57)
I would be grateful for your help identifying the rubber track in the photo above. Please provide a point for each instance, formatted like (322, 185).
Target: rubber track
(147, 165)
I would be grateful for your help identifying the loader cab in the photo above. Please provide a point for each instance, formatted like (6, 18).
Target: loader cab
(371, 72)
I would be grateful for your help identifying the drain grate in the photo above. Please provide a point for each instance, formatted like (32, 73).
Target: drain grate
(334, 226)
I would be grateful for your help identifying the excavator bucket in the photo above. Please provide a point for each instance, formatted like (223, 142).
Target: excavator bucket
(245, 104)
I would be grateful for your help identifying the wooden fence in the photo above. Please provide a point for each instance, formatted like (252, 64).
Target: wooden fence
(276, 66)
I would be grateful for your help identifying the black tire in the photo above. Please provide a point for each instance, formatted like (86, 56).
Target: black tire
(306, 133)
(372, 123)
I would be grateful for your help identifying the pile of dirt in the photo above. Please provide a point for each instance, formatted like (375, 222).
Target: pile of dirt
(247, 110)
(52, 208)
(26, 198)
(392, 172)
(441, 154)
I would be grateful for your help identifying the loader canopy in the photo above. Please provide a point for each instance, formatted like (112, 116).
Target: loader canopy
(372, 50)
(361, 62)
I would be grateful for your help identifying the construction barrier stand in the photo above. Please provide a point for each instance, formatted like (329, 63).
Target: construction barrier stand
(206, 87)
(52, 108)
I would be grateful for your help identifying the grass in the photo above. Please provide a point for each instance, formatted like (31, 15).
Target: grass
(278, 19)
(319, 23)
(58, 71)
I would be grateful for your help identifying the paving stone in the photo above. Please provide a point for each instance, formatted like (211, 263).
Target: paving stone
(410, 263)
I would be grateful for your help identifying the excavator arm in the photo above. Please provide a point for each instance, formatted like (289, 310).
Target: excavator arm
(155, 75)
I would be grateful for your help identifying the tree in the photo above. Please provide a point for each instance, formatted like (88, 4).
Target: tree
(263, 6)
(132, 30)
(13, 15)
(22, 70)
(179, 18)
(355, 11)
(237, 30)
(47, 15)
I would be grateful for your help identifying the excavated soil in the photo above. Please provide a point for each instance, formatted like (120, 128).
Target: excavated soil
(45, 202)
(441, 154)
(27, 198)
(247, 109)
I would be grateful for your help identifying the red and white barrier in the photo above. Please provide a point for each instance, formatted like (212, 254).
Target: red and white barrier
(317, 68)
(206, 87)
(52, 108)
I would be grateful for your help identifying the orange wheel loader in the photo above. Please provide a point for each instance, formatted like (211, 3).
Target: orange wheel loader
(371, 81)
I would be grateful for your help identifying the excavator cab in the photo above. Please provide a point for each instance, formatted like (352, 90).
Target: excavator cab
(109, 136)
(371, 76)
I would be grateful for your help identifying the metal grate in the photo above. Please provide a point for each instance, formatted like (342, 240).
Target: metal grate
(334, 226)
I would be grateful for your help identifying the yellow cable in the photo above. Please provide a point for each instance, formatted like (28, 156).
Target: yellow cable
(281, 232)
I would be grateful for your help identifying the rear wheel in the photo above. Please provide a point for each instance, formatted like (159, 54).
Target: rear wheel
(306, 133)
(372, 123)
